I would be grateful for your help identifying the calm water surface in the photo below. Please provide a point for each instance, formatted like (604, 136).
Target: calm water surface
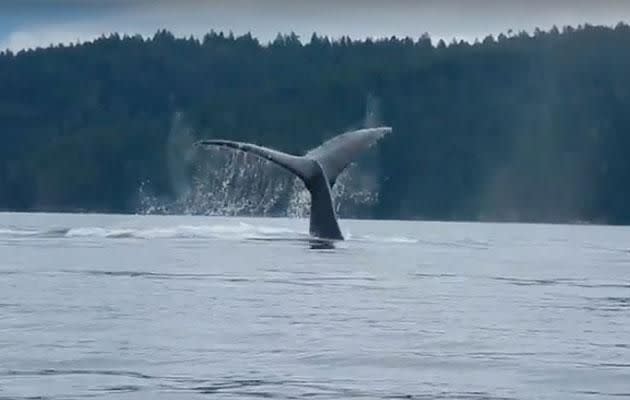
(136, 307)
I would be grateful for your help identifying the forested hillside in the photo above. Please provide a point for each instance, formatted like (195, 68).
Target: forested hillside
(520, 127)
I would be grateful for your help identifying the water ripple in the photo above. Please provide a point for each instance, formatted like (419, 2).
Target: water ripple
(59, 372)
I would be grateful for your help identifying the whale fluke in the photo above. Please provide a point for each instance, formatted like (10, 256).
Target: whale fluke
(337, 153)
(318, 169)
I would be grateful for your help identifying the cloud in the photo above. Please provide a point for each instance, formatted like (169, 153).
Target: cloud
(42, 22)
(45, 36)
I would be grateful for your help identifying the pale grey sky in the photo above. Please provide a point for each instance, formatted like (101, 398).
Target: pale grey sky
(31, 23)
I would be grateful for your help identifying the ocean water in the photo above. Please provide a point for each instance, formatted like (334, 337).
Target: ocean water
(156, 307)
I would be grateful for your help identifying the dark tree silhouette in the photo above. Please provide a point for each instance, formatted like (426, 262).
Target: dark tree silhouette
(525, 128)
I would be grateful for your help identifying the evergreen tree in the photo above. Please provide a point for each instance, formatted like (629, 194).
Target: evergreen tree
(526, 128)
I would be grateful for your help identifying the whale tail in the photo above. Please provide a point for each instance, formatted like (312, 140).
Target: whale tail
(318, 169)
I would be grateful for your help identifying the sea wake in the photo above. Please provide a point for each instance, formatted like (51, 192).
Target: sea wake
(223, 231)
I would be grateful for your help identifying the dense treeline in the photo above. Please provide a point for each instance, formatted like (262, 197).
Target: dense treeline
(519, 127)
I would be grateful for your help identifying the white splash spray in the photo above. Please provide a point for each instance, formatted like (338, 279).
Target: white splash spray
(223, 182)
(232, 183)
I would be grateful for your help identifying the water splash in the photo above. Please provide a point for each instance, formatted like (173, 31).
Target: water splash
(373, 117)
(180, 154)
(299, 200)
(223, 182)
(232, 183)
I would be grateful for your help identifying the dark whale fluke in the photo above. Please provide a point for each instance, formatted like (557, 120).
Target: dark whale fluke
(318, 169)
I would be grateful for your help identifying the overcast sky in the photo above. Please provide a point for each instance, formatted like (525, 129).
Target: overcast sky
(32, 23)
